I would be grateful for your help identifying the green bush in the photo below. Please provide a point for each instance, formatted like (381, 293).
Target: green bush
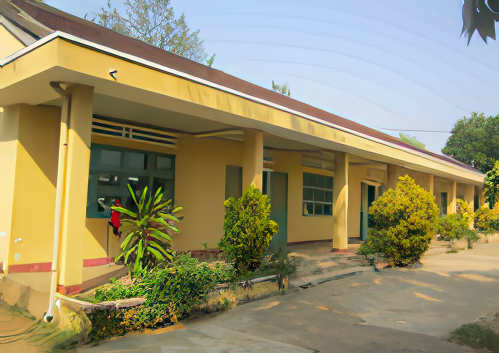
(452, 226)
(491, 186)
(248, 230)
(487, 220)
(458, 225)
(403, 222)
(171, 293)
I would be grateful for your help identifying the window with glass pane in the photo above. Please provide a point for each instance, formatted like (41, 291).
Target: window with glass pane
(112, 169)
(317, 195)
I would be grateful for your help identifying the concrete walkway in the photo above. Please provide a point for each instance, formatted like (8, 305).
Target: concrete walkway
(396, 310)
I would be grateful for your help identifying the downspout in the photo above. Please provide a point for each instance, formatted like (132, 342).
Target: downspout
(61, 173)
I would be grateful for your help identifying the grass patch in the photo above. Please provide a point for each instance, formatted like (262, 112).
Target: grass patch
(476, 336)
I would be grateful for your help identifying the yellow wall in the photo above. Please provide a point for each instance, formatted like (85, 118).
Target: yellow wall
(200, 188)
(9, 119)
(8, 43)
(200, 167)
(95, 244)
(35, 179)
(300, 227)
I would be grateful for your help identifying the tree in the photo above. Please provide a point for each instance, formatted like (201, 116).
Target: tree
(475, 141)
(154, 22)
(491, 188)
(480, 15)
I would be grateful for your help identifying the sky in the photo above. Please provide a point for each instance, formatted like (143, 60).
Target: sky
(387, 64)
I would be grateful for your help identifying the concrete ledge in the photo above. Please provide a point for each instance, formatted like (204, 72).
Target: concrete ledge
(310, 281)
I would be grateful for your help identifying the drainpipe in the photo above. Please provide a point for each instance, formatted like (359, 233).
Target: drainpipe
(61, 172)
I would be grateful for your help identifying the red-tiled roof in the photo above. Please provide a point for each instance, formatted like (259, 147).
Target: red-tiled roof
(64, 22)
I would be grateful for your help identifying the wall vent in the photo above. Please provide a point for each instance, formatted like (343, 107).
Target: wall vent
(319, 160)
(107, 128)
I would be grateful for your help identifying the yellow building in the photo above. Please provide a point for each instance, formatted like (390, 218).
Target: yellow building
(85, 111)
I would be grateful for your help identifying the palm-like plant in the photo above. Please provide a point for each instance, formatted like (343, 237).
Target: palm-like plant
(147, 231)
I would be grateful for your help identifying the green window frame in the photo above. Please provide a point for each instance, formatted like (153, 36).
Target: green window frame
(317, 195)
(112, 168)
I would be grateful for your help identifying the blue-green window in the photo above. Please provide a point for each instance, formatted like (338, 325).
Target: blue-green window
(317, 195)
(112, 168)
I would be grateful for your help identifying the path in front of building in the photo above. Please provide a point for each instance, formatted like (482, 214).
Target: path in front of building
(396, 310)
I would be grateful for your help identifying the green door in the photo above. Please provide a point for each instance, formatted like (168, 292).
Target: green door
(279, 211)
(368, 195)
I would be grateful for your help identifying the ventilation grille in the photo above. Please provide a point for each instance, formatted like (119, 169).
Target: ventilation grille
(322, 160)
(128, 132)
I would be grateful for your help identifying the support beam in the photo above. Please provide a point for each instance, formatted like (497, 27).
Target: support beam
(431, 182)
(75, 192)
(28, 150)
(253, 159)
(394, 172)
(453, 198)
(340, 203)
(469, 197)
(9, 134)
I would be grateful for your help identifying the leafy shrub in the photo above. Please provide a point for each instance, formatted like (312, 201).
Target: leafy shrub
(466, 212)
(403, 222)
(452, 226)
(248, 230)
(486, 219)
(280, 264)
(491, 187)
(147, 231)
(459, 225)
(171, 293)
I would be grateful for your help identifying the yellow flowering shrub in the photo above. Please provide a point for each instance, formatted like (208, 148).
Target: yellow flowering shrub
(403, 221)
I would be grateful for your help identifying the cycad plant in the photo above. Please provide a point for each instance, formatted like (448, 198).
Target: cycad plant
(147, 231)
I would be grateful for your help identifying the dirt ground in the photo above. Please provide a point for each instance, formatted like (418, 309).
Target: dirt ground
(317, 258)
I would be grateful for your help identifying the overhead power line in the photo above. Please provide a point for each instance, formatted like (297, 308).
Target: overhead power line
(413, 130)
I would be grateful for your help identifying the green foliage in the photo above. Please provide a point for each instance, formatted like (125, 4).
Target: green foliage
(171, 292)
(154, 22)
(403, 222)
(476, 336)
(465, 210)
(475, 141)
(248, 230)
(411, 141)
(471, 236)
(147, 232)
(451, 226)
(210, 61)
(280, 264)
(487, 220)
(282, 89)
(480, 15)
(457, 225)
(491, 187)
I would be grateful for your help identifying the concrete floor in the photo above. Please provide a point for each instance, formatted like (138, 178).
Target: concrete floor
(396, 310)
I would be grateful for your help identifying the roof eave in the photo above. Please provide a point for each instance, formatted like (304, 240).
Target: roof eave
(147, 63)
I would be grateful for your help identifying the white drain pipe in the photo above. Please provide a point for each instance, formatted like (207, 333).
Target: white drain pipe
(61, 175)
